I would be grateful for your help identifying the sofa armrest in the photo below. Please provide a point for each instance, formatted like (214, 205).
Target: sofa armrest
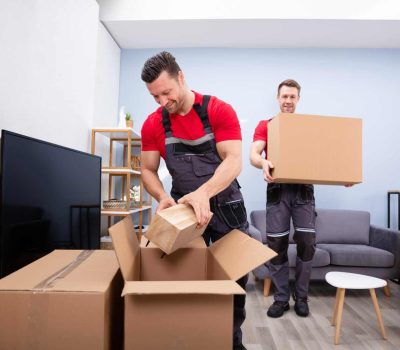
(386, 239)
(254, 233)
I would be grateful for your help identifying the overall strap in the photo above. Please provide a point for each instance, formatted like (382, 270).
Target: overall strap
(201, 111)
(166, 123)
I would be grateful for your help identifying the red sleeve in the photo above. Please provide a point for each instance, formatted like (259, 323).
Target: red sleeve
(261, 131)
(149, 142)
(224, 121)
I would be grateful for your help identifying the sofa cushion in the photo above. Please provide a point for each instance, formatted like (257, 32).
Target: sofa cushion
(257, 218)
(332, 226)
(342, 226)
(321, 257)
(358, 255)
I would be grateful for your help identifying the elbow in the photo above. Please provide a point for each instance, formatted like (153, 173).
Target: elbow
(252, 160)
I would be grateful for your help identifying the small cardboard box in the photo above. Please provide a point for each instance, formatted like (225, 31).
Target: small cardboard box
(183, 300)
(312, 149)
(173, 227)
(69, 299)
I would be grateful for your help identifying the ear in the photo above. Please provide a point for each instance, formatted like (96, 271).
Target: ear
(181, 77)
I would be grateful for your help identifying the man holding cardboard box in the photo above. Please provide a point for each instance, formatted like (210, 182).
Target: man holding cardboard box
(199, 138)
(283, 202)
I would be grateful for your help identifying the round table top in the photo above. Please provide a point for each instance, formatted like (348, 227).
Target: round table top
(349, 280)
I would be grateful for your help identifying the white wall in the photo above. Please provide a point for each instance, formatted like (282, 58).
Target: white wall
(48, 69)
(106, 100)
(107, 79)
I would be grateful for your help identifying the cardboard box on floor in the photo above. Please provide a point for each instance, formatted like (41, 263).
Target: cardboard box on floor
(183, 300)
(312, 149)
(172, 228)
(69, 299)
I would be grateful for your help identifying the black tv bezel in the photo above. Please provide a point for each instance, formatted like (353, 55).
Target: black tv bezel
(11, 133)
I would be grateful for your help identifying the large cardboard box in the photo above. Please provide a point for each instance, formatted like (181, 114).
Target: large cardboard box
(69, 299)
(183, 300)
(312, 149)
(172, 228)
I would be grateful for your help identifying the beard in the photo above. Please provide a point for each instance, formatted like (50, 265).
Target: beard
(288, 109)
(172, 107)
(175, 106)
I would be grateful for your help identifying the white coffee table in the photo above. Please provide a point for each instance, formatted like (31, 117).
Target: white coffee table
(346, 280)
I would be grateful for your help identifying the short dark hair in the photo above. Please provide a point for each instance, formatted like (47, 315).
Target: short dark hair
(290, 83)
(155, 65)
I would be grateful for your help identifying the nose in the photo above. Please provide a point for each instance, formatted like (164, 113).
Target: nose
(163, 100)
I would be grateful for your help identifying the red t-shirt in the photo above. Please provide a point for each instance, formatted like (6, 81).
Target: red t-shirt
(223, 121)
(261, 134)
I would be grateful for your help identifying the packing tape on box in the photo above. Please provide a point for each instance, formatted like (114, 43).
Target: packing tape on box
(49, 282)
(39, 303)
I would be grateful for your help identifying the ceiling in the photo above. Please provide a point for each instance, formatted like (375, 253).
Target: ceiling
(255, 33)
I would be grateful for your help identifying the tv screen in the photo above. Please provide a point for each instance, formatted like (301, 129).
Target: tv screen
(50, 199)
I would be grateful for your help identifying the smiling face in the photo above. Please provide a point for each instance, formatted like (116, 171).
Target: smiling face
(288, 97)
(169, 92)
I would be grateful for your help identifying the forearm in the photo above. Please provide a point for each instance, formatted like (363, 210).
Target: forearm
(153, 184)
(256, 160)
(226, 172)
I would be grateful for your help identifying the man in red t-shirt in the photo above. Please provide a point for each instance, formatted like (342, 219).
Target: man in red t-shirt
(199, 138)
(286, 201)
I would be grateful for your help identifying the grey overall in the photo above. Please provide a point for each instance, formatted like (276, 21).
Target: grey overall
(285, 201)
(191, 163)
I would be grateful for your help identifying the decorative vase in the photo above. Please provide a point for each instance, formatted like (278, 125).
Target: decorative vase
(129, 124)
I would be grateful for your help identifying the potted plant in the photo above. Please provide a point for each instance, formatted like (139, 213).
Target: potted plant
(129, 121)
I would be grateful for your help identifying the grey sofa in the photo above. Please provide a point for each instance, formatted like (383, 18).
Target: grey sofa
(346, 241)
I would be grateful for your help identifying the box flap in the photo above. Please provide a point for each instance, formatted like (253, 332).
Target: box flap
(195, 243)
(65, 270)
(173, 227)
(182, 287)
(186, 264)
(238, 253)
(127, 249)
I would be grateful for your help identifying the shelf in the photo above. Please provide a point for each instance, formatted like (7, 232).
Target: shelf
(105, 239)
(108, 239)
(120, 171)
(114, 133)
(125, 212)
(127, 141)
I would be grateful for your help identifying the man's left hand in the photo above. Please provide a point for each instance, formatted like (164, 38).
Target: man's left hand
(200, 203)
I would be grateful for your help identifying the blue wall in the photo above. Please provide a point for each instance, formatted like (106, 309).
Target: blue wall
(343, 82)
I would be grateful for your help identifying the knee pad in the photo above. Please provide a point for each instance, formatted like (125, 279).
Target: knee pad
(305, 245)
(280, 246)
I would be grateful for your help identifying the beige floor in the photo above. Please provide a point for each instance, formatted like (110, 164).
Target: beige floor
(359, 323)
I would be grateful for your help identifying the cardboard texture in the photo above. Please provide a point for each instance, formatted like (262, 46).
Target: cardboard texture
(312, 149)
(69, 299)
(183, 300)
(173, 227)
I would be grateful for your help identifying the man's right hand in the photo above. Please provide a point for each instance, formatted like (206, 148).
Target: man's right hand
(165, 202)
(266, 166)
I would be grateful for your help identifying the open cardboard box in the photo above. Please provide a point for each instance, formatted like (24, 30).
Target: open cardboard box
(183, 300)
(313, 149)
(172, 228)
(69, 299)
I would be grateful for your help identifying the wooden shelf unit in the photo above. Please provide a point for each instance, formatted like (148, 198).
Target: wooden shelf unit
(130, 141)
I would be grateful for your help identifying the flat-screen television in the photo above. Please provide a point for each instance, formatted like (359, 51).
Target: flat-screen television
(49, 199)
